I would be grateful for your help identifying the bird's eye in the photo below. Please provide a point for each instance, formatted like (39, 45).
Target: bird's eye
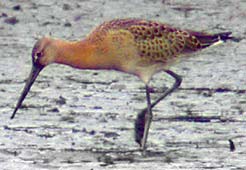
(39, 55)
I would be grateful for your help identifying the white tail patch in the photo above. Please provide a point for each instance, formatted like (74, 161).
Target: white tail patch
(217, 43)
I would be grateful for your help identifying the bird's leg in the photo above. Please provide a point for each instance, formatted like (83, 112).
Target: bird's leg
(177, 83)
(147, 120)
(143, 120)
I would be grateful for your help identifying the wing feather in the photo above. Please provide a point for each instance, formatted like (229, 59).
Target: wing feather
(158, 42)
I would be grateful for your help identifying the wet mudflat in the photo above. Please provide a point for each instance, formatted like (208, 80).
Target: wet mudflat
(75, 119)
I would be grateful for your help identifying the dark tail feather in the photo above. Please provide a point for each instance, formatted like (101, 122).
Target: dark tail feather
(200, 40)
(209, 39)
(224, 36)
(213, 38)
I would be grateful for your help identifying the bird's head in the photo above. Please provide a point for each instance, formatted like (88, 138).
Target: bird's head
(43, 53)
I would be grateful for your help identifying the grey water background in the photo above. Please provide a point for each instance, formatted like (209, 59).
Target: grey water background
(79, 119)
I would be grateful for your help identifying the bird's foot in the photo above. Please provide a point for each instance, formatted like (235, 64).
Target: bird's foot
(139, 128)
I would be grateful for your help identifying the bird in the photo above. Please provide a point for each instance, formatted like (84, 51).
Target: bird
(138, 47)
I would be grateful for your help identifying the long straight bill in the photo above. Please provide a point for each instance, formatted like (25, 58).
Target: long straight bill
(32, 77)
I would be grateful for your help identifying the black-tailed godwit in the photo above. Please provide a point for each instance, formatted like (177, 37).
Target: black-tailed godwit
(135, 46)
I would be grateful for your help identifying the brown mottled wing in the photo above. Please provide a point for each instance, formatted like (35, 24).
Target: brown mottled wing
(159, 42)
(156, 42)
(101, 31)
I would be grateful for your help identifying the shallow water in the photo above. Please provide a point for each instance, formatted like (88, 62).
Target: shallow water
(75, 119)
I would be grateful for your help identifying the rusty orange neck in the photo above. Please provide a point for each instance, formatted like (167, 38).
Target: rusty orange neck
(82, 54)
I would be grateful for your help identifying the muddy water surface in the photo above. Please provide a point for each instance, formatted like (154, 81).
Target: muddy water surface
(75, 119)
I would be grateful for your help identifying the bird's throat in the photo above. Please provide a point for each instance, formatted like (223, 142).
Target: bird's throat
(83, 55)
(75, 54)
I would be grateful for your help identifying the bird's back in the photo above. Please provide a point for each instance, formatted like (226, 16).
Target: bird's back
(150, 45)
(159, 42)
